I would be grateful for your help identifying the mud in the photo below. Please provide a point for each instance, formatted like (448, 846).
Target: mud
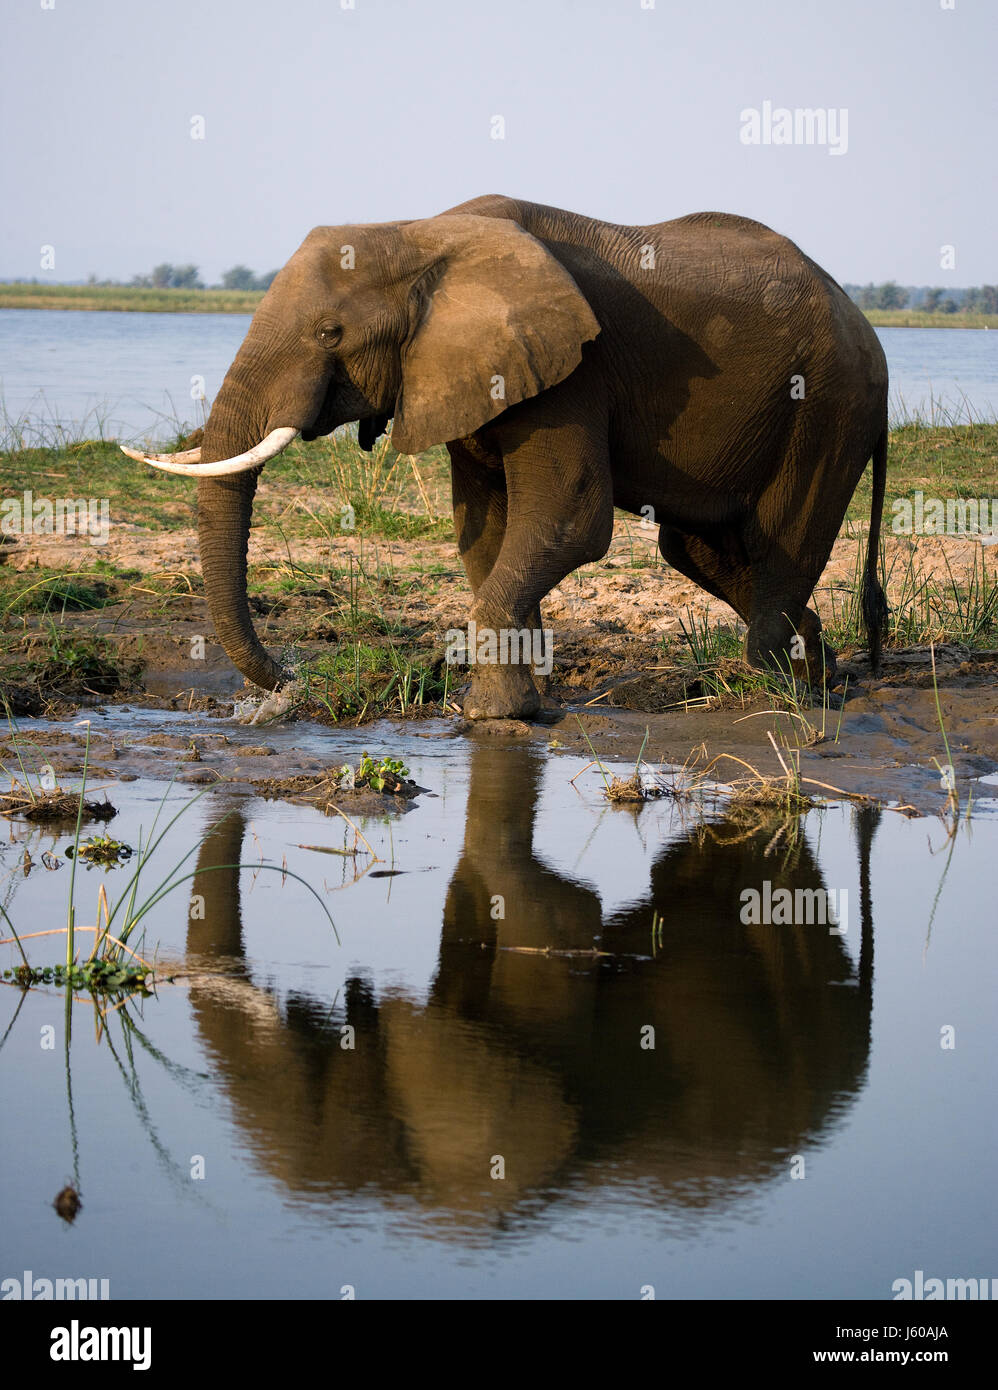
(883, 742)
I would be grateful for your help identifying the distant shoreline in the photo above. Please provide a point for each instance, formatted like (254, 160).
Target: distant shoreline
(126, 299)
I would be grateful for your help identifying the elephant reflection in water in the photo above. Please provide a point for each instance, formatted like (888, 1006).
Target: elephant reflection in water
(761, 1033)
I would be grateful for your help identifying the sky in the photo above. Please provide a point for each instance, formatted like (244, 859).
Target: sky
(635, 111)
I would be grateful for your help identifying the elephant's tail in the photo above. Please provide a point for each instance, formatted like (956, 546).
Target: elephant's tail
(875, 608)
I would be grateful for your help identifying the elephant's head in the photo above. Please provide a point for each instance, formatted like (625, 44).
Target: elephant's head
(441, 324)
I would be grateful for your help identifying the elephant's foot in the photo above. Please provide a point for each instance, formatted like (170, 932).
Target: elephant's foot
(501, 692)
(800, 651)
(544, 681)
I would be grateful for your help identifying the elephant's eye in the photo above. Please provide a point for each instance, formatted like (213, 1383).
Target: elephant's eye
(329, 335)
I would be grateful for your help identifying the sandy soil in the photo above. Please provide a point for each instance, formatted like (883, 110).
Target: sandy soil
(630, 591)
(610, 666)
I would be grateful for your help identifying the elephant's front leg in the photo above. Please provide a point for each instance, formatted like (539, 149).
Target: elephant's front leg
(478, 485)
(478, 490)
(559, 516)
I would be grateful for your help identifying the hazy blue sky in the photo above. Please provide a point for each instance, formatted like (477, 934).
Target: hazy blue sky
(318, 114)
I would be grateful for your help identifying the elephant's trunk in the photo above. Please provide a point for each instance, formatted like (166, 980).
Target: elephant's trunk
(225, 506)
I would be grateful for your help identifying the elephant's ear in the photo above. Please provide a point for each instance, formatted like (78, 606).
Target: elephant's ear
(496, 320)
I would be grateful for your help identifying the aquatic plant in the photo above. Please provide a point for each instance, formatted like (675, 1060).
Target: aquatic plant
(115, 965)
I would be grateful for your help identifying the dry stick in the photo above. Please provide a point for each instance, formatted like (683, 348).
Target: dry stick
(769, 735)
(854, 796)
(419, 484)
(779, 713)
(952, 799)
(733, 759)
(551, 951)
(101, 903)
(377, 858)
(594, 753)
(76, 850)
(811, 781)
(328, 849)
(588, 765)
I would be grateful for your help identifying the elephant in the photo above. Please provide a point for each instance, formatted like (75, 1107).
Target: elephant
(703, 373)
(759, 1050)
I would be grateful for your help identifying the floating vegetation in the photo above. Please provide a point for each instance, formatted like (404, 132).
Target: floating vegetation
(388, 775)
(113, 967)
(104, 975)
(100, 849)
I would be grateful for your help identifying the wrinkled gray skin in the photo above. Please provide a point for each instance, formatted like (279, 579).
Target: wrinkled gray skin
(642, 367)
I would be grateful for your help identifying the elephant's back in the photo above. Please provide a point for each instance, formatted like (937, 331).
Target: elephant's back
(717, 256)
(720, 281)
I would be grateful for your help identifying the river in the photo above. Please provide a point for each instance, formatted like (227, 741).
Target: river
(71, 374)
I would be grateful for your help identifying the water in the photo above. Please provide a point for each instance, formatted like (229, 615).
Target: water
(778, 1050)
(129, 376)
(946, 374)
(114, 375)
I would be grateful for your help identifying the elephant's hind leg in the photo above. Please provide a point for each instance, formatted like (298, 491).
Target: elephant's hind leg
(784, 632)
(788, 553)
(764, 588)
(719, 564)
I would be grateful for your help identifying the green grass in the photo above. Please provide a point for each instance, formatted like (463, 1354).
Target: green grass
(941, 460)
(306, 490)
(55, 662)
(137, 494)
(50, 591)
(706, 642)
(923, 607)
(379, 667)
(359, 682)
(44, 656)
(21, 295)
(390, 494)
(918, 318)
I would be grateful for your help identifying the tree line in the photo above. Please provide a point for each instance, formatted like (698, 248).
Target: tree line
(188, 277)
(982, 299)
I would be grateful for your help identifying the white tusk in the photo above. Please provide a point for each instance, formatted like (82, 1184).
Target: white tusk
(188, 456)
(275, 443)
